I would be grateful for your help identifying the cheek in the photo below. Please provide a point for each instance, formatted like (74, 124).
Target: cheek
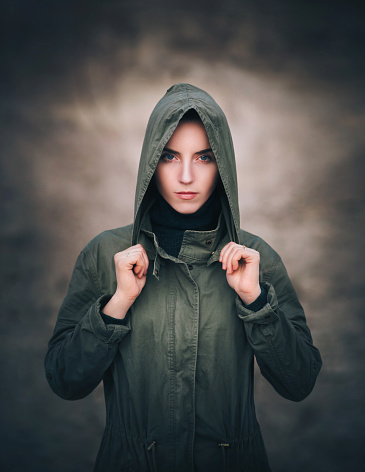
(156, 177)
(214, 176)
(161, 177)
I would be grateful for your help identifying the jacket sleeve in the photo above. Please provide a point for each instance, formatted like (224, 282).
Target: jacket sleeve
(82, 346)
(280, 338)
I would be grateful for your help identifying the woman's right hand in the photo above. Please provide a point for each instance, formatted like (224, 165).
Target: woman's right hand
(131, 270)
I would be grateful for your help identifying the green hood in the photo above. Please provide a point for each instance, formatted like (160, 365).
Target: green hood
(162, 123)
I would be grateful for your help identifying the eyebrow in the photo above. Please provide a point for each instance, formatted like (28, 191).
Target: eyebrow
(199, 152)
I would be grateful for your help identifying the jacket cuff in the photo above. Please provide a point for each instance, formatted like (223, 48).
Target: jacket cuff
(260, 301)
(109, 333)
(259, 311)
(109, 320)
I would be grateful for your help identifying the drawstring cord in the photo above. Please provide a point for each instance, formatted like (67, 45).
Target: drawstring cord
(152, 448)
(224, 448)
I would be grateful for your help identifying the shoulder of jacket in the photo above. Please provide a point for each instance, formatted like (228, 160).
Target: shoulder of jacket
(109, 242)
(257, 243)
(270, 260)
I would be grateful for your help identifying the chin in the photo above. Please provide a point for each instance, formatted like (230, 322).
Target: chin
(186, 209)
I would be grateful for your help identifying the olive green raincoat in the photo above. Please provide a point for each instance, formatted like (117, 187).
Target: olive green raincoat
(178, 376)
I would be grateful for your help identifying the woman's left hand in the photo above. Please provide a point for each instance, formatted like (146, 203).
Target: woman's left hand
(242, 266)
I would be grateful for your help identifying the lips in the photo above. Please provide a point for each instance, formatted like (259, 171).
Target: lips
(186, 195)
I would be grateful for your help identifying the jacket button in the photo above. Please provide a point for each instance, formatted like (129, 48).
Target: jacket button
(49, 376)
(190, 267)
(209, 242)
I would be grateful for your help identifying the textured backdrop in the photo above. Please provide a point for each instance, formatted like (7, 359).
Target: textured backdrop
(78, 82)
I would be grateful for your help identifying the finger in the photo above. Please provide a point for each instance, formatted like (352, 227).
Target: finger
(225, 252)
(134, 258)
(146, 261)
(129, 259)
(138, 270)
(234, 256)
(140, 263)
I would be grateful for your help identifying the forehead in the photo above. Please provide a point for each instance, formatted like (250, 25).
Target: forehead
(189, 134)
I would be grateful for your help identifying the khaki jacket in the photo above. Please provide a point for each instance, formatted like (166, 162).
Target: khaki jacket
(178, 376)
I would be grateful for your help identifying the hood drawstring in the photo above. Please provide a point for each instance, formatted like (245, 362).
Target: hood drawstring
(224, 448)
(152, 449)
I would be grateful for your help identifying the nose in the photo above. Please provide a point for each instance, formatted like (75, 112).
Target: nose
(186, 175)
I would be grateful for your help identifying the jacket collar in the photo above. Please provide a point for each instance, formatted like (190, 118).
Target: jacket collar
(197, 246)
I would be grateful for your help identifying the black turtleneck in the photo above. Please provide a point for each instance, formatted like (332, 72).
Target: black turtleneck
(169, 225)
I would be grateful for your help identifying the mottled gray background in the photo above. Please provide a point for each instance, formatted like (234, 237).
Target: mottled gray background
(78, 82)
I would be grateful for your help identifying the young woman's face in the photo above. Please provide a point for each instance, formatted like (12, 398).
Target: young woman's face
(187, 172)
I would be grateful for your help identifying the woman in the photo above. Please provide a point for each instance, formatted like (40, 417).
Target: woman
(169, 312)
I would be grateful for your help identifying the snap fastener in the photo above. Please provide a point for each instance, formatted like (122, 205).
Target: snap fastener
(190, 267)
(156, 273)
(209, 242)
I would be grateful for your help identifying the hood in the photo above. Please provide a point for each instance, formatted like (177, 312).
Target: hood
(162, 123)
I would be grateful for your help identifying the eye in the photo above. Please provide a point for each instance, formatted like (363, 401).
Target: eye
(206, 158)
(167, 157)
